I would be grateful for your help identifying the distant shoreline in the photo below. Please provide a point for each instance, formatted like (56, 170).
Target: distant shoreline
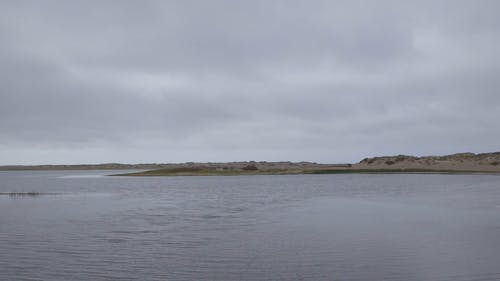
(460, 163)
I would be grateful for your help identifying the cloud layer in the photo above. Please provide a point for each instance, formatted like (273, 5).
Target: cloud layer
(175, 81)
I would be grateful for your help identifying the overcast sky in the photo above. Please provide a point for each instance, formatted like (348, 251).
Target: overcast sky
(176, 81)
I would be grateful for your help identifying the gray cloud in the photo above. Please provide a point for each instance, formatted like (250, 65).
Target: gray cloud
(169, 81)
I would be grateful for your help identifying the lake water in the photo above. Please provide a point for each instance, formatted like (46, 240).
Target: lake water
(301, 227)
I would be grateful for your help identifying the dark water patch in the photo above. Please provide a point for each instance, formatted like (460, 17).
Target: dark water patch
(27, 194)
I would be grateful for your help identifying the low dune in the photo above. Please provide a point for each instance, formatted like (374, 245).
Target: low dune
(485, 162)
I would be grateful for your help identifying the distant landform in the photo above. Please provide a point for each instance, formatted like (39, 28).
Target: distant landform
(453, 164)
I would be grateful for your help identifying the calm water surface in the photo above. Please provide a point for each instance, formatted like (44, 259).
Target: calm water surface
(322, 227)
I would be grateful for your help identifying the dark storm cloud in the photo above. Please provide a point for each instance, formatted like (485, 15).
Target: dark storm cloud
(327, 81)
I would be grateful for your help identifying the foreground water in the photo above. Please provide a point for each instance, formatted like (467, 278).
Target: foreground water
(322, 227)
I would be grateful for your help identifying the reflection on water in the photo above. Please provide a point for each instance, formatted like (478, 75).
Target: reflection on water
(324, 227)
